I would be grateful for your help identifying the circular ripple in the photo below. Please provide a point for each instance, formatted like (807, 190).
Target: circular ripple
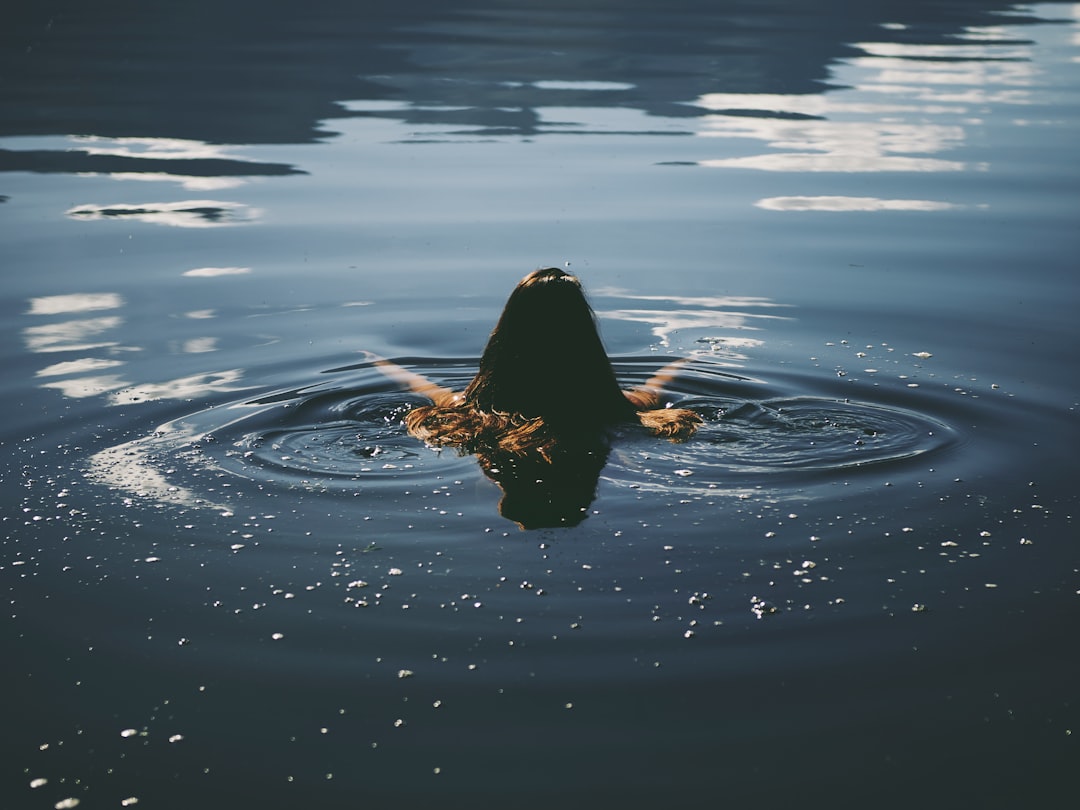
(338, 435)
(787, 439)
(341, 438)
(348, 435)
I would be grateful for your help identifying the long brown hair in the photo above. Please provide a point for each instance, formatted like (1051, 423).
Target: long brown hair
(544, 378)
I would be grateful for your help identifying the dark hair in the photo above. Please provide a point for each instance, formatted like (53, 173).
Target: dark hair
(545, 358)
(544, 378)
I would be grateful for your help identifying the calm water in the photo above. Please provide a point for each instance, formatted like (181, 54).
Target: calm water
(231, 579)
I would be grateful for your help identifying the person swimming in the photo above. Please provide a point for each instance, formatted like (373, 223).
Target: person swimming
(539, 412)
(544, 379)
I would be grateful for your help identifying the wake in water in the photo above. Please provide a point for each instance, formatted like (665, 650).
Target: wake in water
(346, 440)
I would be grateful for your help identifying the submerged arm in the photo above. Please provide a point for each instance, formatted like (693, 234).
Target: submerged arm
(417, 383)
(647, 396)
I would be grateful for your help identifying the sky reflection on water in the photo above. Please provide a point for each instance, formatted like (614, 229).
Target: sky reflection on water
(858, 221)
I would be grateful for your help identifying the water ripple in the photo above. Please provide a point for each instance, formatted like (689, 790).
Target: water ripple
(346, 437)
(791, 440)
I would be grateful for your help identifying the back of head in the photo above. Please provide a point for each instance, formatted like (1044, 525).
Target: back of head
(545, 358)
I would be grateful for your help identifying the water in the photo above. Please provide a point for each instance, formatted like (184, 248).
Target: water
(232, 579)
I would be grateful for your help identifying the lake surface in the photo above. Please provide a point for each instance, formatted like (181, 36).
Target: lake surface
(232, 580)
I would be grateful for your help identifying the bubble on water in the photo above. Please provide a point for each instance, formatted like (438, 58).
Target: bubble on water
(761, 608)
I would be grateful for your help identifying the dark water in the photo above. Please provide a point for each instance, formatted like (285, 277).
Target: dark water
(232, 580)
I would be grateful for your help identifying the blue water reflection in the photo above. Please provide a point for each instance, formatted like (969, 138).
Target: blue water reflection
(858, 582)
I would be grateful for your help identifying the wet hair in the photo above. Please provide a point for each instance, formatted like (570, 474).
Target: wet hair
(544, 379)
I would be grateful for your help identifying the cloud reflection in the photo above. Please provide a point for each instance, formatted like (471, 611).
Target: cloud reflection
(82, 387)
(157, 148)
(180, 388)
(199, 345)
(851, 204)
(78, 366)
(213, 272)
(696, 314)
(190, 182)
(75, 302)
(818, 145)
(908, 103)
(70, 336)
(185, 214)
(76, 378)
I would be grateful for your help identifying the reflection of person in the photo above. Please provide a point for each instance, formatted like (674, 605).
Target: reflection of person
(539, 409)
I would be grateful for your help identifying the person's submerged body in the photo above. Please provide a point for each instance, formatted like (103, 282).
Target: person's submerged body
(544, 380)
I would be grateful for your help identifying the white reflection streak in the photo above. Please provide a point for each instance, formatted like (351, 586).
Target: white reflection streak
(70, 335)
(131, 468)
(184, 214)
(974, 52)
(188, 181)
(837, 146)
(964, 74)
(852, 134)
(157, 148)
(162, 149)
(75, 302)
(695, 313)
(77, 366)
(213, 272)
(199, 345)
(713, 301)
(180, 388)
(667, 321)
(838, 203)
(82, 387)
